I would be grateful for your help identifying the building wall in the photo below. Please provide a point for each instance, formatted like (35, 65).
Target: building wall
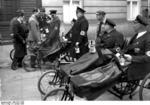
(113, 8)
(116, 9)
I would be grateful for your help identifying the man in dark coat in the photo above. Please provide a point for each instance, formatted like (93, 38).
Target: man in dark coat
(110, 41)
(43, 20)
(79, 32)
(138, 51)
(52, 43)
(20, 34)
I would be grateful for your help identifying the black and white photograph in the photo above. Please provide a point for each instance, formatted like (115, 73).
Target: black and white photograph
(74, 50)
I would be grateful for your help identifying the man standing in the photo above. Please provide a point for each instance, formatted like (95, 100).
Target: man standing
(34, 33)
(100, 15)
(79, 33)
(20, 34)
(34, 30)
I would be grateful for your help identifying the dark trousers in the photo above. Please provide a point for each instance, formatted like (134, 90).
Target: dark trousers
(17, 61)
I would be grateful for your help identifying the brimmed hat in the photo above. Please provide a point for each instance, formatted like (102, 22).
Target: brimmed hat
(142, 20)
(80, 10)
(100, 12)
(42, 9)
(53, 11)
(110, 22)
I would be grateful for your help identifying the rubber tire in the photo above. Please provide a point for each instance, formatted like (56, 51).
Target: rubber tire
(61, 98)
(12, 52)
(142, 85)
(40, 80)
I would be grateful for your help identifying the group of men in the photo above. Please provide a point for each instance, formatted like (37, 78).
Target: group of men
(137, 52)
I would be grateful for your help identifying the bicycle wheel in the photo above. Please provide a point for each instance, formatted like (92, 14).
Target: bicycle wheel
(126, 87)
(12, 52)
(48, 81)
(59, 94)
(26, 63)
(144, 91)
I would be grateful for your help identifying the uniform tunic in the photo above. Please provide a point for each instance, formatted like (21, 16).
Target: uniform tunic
(139, 49)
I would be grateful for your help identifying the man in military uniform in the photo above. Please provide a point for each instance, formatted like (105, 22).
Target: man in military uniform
(79, 33)
(20, 34)
(100, 15)
(52, 44)
(43, 20)
(110, 41)
(138, 51)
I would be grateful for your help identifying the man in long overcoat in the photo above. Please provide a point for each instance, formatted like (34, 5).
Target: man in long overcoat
(20, 33)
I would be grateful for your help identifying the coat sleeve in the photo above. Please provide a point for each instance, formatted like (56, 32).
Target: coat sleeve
(35, 31)
(83, 32)
(118, 43)
(16, 33)
(146, 57)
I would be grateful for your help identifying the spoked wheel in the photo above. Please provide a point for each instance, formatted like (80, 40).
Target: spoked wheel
(12, 52)
(68, 58)
(59, 94)
(144, 92)
(26, 63)
(126, 88)
(48, 81)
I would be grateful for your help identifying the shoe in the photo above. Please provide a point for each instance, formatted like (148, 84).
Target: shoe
(14, 66)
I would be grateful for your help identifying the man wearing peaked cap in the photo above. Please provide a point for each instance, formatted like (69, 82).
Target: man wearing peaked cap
(111, 39)
(52, 42)
(142, 20)
(79, 33)
(138, 51)
(80, 10)
(110, 22)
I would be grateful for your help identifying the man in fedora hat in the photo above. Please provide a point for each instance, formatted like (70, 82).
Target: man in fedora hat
(79, 33)
(138, 50)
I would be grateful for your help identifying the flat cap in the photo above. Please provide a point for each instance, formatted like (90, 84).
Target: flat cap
(42, 9)
(110, 22)
(100, 12)
(142, 20)
(35, 10)
(53, 11)
(80, 10)
(20, 12)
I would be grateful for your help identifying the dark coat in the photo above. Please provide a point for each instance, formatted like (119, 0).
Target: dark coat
(43, 18)
(20, 34)
(140, 65)
(52, 43)
(111, 41)
(79, 34)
